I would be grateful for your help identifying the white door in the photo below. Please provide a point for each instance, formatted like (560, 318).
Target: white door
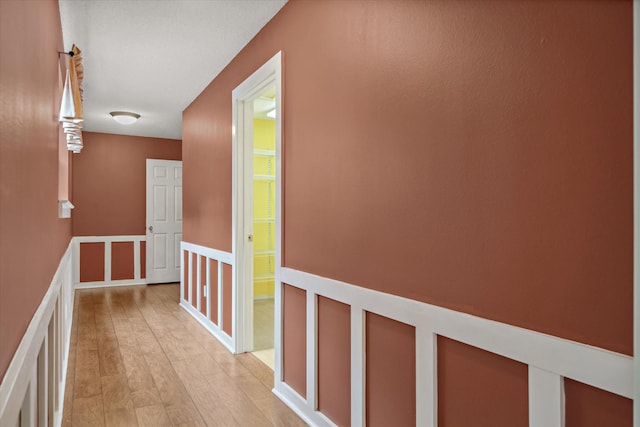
(164, 220)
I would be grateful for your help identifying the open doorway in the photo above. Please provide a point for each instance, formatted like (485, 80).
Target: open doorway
(257, 251)
(264, 223)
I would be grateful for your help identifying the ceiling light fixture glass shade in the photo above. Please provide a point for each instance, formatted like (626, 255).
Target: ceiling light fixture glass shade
(124, 117)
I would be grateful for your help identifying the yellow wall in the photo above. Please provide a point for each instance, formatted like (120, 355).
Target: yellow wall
(264, 208)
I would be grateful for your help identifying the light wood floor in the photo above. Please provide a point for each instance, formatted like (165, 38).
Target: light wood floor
(263, 324)
(263, 313)
(137, 359)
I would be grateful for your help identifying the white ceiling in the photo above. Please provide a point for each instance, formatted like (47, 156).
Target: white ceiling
(153, 57)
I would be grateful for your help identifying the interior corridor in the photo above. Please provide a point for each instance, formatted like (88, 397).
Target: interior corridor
(137, 359)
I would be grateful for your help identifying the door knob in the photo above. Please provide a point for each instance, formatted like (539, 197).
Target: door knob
(151, 229)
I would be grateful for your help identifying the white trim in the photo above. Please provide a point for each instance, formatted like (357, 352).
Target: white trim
(636, 206)
(198, 282)
(294, 401)
(111, 284)
(182, 267)
(277, 333)
(190, 277)
(35, 379)
(358, 366)
(225, 339)
(220, 295)
(101, 239)
(546, 398)
(549, 358)
(243, 291)
(137, 272)
(613, 373)
(207, 286)
(215, 254)
(107, 241)
(426, 378)
(186, 297)
(312, 351)
(269, 74)
(107, 261)
(43, 381)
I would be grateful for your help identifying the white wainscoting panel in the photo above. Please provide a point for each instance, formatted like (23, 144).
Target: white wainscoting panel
(108, 240)
(550, 359)
(190, 302)
(33, 386)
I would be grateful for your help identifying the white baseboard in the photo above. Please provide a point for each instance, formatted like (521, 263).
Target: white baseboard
(209, 326)
(299, 405)
(111, 284)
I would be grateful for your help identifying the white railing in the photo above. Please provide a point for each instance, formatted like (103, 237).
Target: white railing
(191, 301)
(550, 359)
(32, 390)
(107, 241)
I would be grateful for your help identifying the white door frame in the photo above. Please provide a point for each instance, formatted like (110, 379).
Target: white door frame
(268, 75)
(636, 207)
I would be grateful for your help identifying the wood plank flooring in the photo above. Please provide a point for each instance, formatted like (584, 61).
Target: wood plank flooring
(137, 359)
(263, 313)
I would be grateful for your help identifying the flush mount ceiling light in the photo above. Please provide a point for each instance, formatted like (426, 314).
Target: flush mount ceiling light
(124, 117)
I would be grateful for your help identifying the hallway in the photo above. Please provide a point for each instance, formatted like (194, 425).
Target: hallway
(137, 359)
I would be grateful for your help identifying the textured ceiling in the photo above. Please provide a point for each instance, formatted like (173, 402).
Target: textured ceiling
(153, 57)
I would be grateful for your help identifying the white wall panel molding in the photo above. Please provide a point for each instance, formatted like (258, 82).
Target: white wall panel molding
(191, 302)
(33, 386)
(107, 241)
(209, 326)
(549, 358)
(546, 398)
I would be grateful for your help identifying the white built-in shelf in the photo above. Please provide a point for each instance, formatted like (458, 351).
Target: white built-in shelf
(259, 152)
(264, 276)
(265, 252)
(264, 220)
(264, 177)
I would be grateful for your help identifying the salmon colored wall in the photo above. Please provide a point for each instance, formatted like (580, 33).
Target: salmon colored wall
(30, 38)
(227, 299)
(294, 338)
(92, 265)
(109, 182)
(213, 266)
(390, 372)
(478, 388)
(590, 407)
(478, 157)
(122, 261)
(334, 361)
(143, 258)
